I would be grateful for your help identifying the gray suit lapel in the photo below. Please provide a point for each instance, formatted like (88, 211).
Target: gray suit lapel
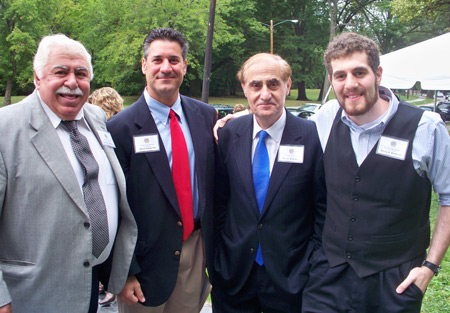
(49, 147)
(98, 125)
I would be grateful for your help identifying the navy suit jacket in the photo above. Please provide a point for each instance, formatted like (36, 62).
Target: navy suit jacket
(152, 196)
(290, 224)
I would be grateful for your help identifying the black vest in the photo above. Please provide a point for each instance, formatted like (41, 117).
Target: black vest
(377, 213)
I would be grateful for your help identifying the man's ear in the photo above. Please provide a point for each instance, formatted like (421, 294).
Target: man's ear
(243, 88)
(144, 66)
(288, 86)
(37, 81)
(185, 67)
(379, 75)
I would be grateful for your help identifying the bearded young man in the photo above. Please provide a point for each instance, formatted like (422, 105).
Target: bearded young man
(381, 158)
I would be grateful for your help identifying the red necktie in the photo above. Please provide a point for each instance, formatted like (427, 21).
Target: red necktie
(181, 175)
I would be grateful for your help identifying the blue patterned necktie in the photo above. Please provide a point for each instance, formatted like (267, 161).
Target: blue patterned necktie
(93, 196)
(261, 176)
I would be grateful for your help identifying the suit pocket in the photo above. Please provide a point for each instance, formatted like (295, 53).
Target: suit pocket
(15, 269)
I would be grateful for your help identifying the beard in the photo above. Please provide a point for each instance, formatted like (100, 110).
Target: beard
(363, 105)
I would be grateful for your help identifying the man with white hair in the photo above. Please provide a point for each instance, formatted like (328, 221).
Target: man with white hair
(64, 220)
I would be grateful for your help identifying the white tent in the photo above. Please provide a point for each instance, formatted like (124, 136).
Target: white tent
(427, 62)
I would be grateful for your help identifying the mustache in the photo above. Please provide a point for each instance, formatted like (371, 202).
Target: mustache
(66, 90)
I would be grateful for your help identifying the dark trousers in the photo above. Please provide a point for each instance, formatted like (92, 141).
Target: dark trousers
(258, 295)
(93, 305)
(339, 289)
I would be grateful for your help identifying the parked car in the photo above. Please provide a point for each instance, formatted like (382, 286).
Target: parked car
(312, 107)
(223, 110)
(305, 110)
(431, 108)
(444, 109)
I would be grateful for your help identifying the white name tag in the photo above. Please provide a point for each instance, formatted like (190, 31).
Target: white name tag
(291, 154)
(146, 143)
(392, 147)
(106, 139)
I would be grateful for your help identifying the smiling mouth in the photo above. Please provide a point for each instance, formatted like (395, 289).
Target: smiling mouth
(353, 97)
(68, 96)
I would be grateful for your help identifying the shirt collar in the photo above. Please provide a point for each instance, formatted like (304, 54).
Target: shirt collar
(381, 121)
(161, 111)
(275, 131)
(55, 120)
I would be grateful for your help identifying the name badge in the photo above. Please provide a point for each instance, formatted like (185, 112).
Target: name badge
(291, 154)
(106, 139)
(392, 147)
(146, 143)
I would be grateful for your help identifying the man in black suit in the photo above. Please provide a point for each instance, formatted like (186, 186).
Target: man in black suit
(270, 197)
(165, 145)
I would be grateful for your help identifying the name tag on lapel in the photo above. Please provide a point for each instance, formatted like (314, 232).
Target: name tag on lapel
(106, 139)
(392, 147)
(291, 154)
(146, 143)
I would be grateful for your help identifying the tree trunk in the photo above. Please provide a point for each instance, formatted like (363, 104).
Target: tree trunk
(332, 6)
(7, 100)
(301, 91)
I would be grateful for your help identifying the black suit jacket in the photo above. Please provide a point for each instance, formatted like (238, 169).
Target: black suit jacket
(151, 192)
(289, 227)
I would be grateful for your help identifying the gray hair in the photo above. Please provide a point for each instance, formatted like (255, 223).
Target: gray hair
(46, 45)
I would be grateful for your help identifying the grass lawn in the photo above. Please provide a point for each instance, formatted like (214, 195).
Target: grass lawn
(437, 297)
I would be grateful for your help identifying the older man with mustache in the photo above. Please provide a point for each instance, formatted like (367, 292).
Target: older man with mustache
(64, 220)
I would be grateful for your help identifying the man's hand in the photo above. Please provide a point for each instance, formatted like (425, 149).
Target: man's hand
(420, 276)
(6, 308)
(221, 123)
(132, 292)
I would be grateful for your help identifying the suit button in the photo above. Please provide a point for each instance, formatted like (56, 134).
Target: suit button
(355, 199)
(87, 225)
(177, 253)
(252, 250)
(357, 179)
(350, 237)
(179, 223)
(352, 219)
(260, 226)
(349, 256)
(86, 263)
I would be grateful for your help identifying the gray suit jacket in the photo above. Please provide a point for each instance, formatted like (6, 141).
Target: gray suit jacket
(45, 250)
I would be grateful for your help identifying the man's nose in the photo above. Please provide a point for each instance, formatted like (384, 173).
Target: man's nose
(265, 93)
(351, 82)
(165, 66)
(71, 81)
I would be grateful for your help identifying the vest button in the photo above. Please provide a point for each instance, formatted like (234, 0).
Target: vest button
(352, 219)
(357, 179)
(350, 237)
(349, 256)
(355, 199)
(260, 226)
